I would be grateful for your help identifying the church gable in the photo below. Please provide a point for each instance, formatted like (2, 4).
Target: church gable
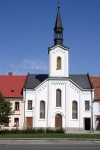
(58, 50)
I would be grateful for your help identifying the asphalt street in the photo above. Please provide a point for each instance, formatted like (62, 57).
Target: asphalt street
(51, 147)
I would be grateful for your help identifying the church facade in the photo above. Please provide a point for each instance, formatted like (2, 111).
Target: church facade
(58, 99)
(54, 100)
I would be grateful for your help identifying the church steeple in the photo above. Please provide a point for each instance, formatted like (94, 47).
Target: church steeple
(58, 53)
(58, 30)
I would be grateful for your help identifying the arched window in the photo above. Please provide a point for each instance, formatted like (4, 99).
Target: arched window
(58, 63)
(74, 110)
(42, 109)
(58, 98)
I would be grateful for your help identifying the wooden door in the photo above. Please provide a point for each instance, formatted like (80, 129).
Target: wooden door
(58, 121)
(28, 122)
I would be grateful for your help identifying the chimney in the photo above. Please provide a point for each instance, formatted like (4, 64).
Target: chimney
(9, 73)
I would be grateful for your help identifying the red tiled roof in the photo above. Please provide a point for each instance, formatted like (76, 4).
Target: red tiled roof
(96, 83)
(11, 85)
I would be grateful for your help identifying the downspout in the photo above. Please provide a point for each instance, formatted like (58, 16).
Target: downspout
(25, 101)
(47, 124)
(65, 108)
(24, 109)
(79, 111)
(91, 107)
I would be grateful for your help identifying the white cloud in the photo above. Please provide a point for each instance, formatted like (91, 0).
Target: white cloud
(29, 66)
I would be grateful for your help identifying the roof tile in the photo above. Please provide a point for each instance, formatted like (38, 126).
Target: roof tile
(11, 85)
(96, 83)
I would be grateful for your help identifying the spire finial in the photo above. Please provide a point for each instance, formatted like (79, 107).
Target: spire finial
(58, 4)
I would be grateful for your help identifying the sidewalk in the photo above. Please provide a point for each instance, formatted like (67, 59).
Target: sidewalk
(48, 141)
(82, 132)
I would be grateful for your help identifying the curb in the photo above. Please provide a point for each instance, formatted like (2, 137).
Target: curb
(51, 139)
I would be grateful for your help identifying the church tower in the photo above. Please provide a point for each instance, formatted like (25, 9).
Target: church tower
(58, 53)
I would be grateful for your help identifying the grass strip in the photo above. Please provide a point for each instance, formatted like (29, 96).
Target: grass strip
(77, 136)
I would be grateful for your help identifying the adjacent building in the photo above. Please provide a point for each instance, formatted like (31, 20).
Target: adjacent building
(96, 103)
(11, 86)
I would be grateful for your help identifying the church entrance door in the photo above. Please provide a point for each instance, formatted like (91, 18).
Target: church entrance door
(58, 121)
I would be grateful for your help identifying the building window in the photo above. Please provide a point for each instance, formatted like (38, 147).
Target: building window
(16, 105)
(86, 105)
(58, 98)
(16, 122)
(74, 110)
(42, 110)
(30, 105)
(58, 63)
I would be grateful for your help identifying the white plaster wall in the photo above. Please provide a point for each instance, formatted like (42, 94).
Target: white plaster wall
(76, 94)
(73, 96)
(53, 54)
(30, 95)
(96, 108)
(41, 95)
(53, 110)
(86, 96)
(47, 92)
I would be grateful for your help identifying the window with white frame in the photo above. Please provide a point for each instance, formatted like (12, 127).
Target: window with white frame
(87, 107)
(16, 122)
(29, 104)
(16, 105)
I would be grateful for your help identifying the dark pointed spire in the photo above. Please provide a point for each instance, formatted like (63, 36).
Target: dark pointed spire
(58, 29)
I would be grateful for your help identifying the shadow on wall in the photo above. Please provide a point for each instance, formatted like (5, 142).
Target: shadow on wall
(97, 122)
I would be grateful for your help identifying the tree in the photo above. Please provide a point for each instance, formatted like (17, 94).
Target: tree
(5, 110)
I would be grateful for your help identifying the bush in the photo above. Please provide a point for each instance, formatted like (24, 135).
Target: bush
(40, 130)
(15, 131)
(31, 131)
(60, 130)
(48, 130)
(28, 130)
(6, 131)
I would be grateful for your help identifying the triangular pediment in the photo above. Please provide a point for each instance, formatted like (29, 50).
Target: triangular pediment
(58, 46)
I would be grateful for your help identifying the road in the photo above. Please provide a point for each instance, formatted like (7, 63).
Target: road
(48, 145)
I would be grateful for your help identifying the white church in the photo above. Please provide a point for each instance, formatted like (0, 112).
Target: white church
(58, 99)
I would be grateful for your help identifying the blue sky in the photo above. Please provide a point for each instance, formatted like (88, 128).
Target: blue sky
(26, 32)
